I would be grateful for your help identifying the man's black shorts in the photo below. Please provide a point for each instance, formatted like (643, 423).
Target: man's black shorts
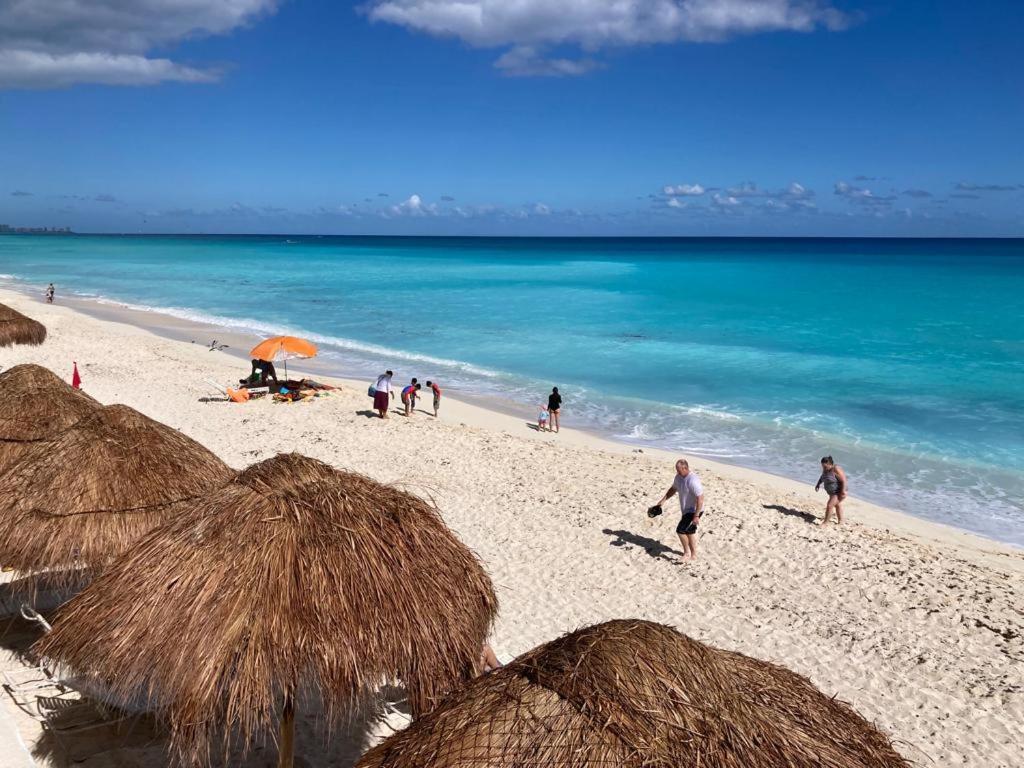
(687, 524)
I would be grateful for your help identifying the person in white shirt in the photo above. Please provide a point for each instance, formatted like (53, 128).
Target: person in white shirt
(691, 503)
(382, 394)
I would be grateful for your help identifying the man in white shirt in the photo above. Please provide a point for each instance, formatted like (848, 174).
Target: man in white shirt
(691, 503)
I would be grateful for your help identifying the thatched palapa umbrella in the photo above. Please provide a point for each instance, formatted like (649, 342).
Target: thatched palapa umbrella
(638, 695)
(83, 497)
(295, 578)
(16, 328)
(36, 405)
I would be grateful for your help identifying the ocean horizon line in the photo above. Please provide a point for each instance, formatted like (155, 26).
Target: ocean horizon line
(559, 238)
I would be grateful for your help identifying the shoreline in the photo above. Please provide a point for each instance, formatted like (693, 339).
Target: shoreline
(930, 484)
(508, 416)
(914, 624)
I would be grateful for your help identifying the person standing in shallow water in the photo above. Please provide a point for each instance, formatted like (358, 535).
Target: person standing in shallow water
(554, 409)
(50, 290)
(834, 480)
(688, 487)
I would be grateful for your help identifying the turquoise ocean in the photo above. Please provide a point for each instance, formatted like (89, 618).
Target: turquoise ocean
(904, 359)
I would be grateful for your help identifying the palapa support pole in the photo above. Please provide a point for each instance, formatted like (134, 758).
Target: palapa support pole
(286, 745)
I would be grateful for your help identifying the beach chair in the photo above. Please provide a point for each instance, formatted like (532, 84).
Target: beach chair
(23, 680)
(59, 704)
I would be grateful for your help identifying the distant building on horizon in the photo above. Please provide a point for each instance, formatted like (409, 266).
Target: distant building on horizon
(7, 229)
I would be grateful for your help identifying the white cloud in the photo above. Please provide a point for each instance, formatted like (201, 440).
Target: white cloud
(746, 189)
(745, 198)
(862, 195)
(530, 26)
(854, 193)
(964, 186)
(57, 43)
(527, 61)
(414, 206)
(30, 69)
(684, 190)
(796, 190)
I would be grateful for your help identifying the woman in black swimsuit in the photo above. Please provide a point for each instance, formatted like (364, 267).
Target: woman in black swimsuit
(554, 406)
(834, 480)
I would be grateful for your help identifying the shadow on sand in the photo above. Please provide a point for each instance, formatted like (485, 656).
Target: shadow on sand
(91, 733)
(112, 738)
(807, 517)
(652, 547)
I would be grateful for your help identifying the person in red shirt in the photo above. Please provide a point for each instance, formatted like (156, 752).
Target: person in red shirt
(408, 397)
(437, 396)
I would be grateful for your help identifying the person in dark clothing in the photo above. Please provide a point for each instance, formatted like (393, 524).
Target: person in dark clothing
(554, 409)
(263, 368)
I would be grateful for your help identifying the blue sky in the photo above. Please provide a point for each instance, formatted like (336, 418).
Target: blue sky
(660, 117)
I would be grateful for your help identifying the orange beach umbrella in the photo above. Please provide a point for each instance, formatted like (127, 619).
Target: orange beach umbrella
(283, 348)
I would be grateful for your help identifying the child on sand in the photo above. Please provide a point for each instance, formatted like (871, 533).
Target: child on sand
(542, 419)
(409, 397)
(412, 395)
(437, 396)
(834, 480)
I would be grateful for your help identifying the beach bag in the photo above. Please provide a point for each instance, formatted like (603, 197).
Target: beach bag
(371, 391)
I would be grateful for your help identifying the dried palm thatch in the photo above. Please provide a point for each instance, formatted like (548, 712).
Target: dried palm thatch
(639, 695)
(36, 405)
(294, 577)
(84, 497)
(16, 328)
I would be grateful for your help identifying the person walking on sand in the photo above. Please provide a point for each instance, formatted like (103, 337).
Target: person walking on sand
(409, 397)
(834, 480)
(437, 396)
(554, 409)
(688, 487)
(382, 393)
(50, 290)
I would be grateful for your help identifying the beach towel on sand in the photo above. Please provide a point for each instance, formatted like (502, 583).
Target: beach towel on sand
(238, 395)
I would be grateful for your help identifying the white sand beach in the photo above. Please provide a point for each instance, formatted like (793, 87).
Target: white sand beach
(916, 625)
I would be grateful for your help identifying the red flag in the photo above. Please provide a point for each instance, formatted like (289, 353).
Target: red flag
(76, 380)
